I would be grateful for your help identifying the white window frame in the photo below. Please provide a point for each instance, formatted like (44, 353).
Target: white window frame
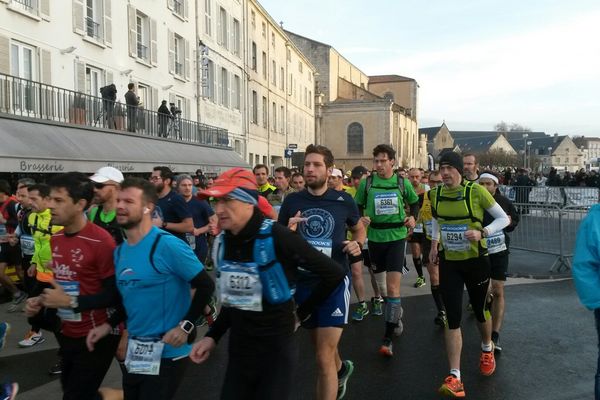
(179, 55)
(18, 58)
(142, 37)
(223, 34)
(208, 17)
(224, 86)
(94, 19)
(236, 37)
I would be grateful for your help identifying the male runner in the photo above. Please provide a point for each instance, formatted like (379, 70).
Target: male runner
(383, 197)
(283, 175)
(415, 175)
(171, 213)
(322, 215)
(104, 212)
(471, 166)
(84, 288)
(498, 249)
(297, 181)
(261, 172)
(9, 255)
(458, 207)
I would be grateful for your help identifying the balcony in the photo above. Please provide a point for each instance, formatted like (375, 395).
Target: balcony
(35, 100)
(30, 6)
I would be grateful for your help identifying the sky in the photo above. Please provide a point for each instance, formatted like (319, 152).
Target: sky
(477, 62)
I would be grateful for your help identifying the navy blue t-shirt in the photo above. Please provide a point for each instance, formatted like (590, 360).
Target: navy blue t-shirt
(174, 209)
(328, 217)
(201, 211)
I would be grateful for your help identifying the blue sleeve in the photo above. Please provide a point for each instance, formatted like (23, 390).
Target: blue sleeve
(180, 208)
(586, 261)
(353, 213)
(180, 258)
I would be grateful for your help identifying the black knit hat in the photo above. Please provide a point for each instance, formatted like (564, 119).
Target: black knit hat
(452, 159)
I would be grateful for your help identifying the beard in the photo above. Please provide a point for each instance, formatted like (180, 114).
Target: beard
(160, 187)
(131, 222)
(317, 183)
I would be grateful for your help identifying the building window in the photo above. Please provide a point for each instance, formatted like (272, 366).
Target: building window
(300, 66)
(211, 81)
(281, 118)
(265, 110)
(237, 89)
(93, 18)
(30, 6)
(223, 31)
(22, 63)
(274, 126)
(253, 61)
(93, 80)
(388, 96)
(224, 87)
(274, 73)
(179, 55)
(282, 79)
(142, 27)
(264, 30)
(254, 107)
(180, 103)
(264, 65)
(310, 99)
(207, 17)
(355, 138)
(273, 39)
(179, 8)
(253, 19)
(236, 37)
(289, 55)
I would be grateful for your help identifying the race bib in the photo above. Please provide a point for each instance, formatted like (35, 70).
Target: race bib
(191, 239)
(386, 203)
(72, 289)
(453, 237)
(323, 245)
(27, 245)
(418, 228)
(144, 356)
(240, 286)
(496, 242)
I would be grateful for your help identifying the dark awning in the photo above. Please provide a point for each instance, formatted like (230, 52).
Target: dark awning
(41, 147)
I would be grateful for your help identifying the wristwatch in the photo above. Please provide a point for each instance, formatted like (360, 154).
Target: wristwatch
(74, 302)
(187, 326)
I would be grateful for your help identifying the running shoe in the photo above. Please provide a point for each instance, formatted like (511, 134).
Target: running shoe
(497, 347)
(452, 387)
(441, 319)
(420, 282)
(56, 369)
(343, 380)
(361, 312)
(31, 339)
(487, 363)
(4, 329)
(8, 391)
(377, 306)
(386, 348)
(14, 306)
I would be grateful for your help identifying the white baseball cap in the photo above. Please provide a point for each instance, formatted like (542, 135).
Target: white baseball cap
(106, 174)
(337, 172)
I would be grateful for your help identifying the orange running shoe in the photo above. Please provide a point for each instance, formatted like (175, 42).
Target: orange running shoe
(487, 363)
(452, 387)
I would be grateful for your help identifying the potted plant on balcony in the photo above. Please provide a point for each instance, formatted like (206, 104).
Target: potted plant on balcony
(119, 116)
(77, 109)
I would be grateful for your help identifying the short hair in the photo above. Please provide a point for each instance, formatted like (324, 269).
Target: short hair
(260, 166)
(386, 149)
(183, 177)
(77, 185)
(322, 150)
(130, 86)
(149, 193)
(297, 174)
(435, 172)
(25, 182)
(165, 172)
(5, 187)
(286, 171)
(42, 188)
(470, 155)
(416, 169)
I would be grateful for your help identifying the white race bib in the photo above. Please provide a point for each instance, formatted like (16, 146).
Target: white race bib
(191, 239)
(27, 245)
(386, 203)
(496, 242)
(453, 238)
(144, 356)
(240, 286)
(72, 289)
(323, 245)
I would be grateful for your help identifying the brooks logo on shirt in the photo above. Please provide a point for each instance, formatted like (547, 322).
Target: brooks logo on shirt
(337, 313)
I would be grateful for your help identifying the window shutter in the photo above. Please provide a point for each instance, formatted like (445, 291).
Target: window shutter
(4, 55)
(153, 43)
(186, 8)
(45, 9)
(79, 76)
(187, 60)
(132, 31)
(171, 40)
(108, 23)
(154, 96)
(78, 17)
(188, 109)
(45, 61)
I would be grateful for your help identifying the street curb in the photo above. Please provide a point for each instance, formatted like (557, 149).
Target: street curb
(547, 276)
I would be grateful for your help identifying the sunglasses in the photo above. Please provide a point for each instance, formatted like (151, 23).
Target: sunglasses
(99, 185)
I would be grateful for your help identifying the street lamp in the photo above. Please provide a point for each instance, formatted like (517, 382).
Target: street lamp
(529, 142)
(525, 136)
(549, 158)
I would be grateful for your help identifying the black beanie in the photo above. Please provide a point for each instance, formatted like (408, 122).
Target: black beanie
(452, 159)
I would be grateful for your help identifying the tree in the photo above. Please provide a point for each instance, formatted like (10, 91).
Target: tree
(497, 159)
(504, 127)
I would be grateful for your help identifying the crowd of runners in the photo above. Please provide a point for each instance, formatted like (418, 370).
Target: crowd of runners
(122, 268)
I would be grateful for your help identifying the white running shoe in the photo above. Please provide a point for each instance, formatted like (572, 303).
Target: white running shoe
(31, 339)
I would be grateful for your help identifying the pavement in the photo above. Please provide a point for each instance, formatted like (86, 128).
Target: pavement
(549, 341)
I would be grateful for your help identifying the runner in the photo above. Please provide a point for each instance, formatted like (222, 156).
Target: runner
(322, 216)
(262, 350)
(471, 166)
(156, 273)
(415, 175)
(9, 255)
(425, 217)
(8, 390)
(104, 213)
(383, 197)
(84, 288)
(261, 172)
(283, 175)
(171, 213)
(458, 207)
(498, 248)
(23, 235)
(297, 181)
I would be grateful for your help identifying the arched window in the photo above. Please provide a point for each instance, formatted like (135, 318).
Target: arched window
(355, 138)
(388, 96)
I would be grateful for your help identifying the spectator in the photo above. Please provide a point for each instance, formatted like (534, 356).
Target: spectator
(132, 101)
(553, 178)
(523, 186)
(163, 119)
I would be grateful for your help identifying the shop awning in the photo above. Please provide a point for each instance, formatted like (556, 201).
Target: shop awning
(40, 147)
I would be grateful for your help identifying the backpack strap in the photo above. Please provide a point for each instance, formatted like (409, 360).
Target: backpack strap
(153, 250)
(264, 252)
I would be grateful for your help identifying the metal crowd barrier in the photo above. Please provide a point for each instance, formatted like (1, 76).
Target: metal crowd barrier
(550, 219)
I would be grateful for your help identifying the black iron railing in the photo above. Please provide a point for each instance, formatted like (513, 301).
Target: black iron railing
(27, 5)
(31, 99)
